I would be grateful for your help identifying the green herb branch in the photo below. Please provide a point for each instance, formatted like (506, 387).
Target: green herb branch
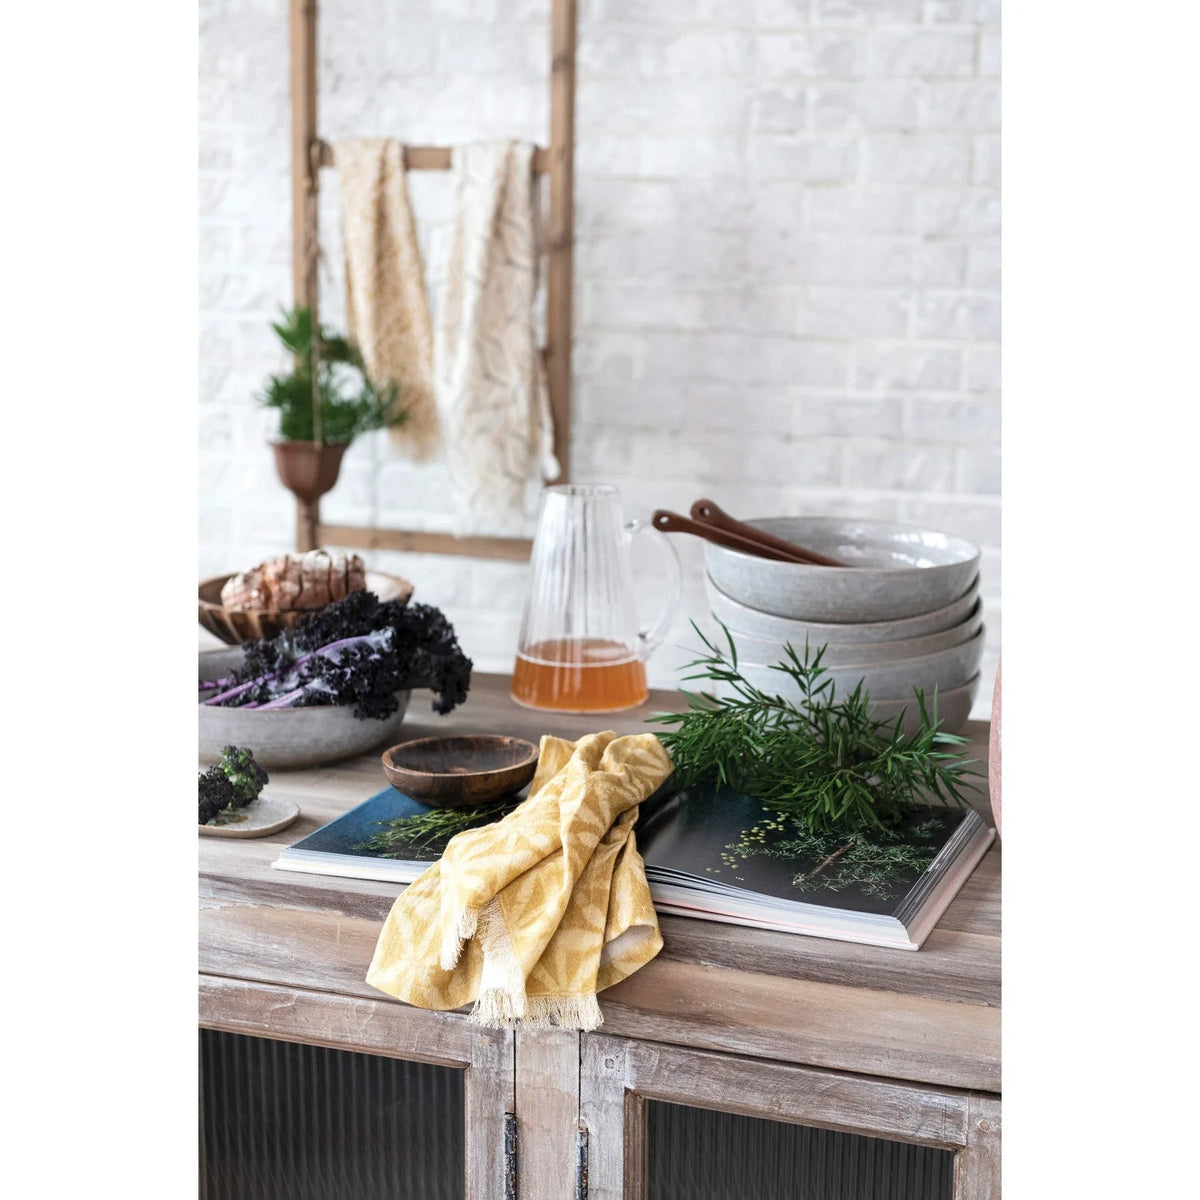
(431, 831)
(825, 762)
(350, 402)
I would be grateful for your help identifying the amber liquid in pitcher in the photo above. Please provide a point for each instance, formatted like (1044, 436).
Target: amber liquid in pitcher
(579, 675)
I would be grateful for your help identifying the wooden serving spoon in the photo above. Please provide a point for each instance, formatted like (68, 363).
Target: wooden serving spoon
(709, 513)
(671, 522)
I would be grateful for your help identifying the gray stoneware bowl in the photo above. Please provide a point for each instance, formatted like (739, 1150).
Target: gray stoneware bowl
(769, 650)
(894, 680)
(954, 708)
(742, 619)
(897, 570)
(289, 737)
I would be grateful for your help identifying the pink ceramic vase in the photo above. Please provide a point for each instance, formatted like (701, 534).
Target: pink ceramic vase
(994, 752)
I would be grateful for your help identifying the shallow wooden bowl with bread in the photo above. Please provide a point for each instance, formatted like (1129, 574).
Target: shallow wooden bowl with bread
(234, 626)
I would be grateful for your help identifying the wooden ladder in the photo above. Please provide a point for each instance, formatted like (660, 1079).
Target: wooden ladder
(310, 154)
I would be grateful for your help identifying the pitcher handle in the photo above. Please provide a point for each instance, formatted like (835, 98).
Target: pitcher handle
(649, 639)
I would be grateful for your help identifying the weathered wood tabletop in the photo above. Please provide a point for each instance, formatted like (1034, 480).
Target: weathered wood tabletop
(930, 1016)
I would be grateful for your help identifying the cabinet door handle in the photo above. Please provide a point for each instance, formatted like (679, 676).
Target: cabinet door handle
(510, 1156)
(581, 1162)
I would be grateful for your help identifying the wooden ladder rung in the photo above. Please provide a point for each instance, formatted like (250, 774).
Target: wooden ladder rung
(430, 158)
(367, 537)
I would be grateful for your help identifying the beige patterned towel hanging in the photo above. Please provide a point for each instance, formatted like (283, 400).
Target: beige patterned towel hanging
(533, 915)
(387, 308)
(493, 405)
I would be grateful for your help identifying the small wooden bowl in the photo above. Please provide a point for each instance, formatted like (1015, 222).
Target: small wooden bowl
(460, 772)
(234, 626)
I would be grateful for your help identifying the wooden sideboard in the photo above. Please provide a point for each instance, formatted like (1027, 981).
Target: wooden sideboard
(898, 1045)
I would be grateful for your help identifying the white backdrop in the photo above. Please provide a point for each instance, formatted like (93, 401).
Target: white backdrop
(787, 264)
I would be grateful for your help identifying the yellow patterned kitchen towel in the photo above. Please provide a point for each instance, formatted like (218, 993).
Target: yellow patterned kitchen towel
(533, 915)
(387, 308)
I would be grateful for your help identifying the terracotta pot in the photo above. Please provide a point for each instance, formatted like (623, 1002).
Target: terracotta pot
(994, 752)
(308, 469)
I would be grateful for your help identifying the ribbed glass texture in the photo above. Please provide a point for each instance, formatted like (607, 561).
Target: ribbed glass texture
(281, 1121)
(700, 1154)
(579, 649)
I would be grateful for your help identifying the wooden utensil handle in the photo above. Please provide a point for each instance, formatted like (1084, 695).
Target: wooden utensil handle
(670, 522)
(707, 512)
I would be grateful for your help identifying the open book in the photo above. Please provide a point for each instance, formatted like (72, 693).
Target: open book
(720, 855)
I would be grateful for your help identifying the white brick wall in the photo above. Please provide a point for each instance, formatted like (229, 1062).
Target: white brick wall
(787, 267)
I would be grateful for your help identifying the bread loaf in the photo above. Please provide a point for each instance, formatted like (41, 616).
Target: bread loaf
(295, 582)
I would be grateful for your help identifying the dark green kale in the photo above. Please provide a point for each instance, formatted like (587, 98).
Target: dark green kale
(246, 776)
(431, 654)
(359, 652)
(216, 793)
(261, 656)
(232, 783)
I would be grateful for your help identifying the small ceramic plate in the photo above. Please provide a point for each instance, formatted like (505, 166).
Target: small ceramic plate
(267, 814)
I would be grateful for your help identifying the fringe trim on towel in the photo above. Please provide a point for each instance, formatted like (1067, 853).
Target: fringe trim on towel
(495, 1008)
(453, 941)
(502, 974)
(567, 1012)
(467, 923)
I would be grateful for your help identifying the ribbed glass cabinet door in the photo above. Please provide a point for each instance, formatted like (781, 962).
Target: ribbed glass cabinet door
(678, 1122)
(283, 1121)
(704, 1154)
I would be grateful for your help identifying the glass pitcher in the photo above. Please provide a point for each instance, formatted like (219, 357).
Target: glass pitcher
(581, 649)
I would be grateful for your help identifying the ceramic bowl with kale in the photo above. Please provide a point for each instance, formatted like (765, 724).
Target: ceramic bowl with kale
(337, 685)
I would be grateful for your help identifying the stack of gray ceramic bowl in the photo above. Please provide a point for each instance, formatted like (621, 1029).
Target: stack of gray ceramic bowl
(904, 614)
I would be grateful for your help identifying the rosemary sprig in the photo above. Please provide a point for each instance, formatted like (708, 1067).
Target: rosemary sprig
(825, 762)
(430, 831)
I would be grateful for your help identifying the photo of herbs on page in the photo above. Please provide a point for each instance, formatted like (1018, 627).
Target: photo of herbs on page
(838, 796)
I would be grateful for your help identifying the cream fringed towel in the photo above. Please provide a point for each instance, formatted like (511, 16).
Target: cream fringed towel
(493, 405)
(532, 916)
(387, 308)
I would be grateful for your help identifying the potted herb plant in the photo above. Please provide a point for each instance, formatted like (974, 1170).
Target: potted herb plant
(325, 401)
